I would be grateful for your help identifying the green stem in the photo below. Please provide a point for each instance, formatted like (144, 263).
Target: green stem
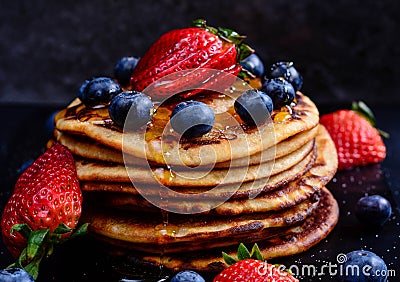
(40, 244)
(229, 35)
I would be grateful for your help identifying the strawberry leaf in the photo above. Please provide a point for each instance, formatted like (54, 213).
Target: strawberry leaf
(36, 242)
(384, 134)
(229, 35)
(33, 268)
(62, 229)
(228, 259)
(244, 51)
(361, 108)
(256, 253)
(23, 228)
(40, 243)
(243, 252)
(19, 261)
(82, 230)
(199, 23)
(59, 232)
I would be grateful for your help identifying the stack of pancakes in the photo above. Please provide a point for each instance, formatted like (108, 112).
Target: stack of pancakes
(178, 202)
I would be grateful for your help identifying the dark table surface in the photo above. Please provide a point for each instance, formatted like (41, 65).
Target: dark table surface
(25, 131)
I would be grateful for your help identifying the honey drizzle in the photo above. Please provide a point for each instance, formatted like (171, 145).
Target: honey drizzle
(164, 232)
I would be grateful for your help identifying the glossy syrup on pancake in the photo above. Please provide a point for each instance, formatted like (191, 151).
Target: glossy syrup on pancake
(245, 190)
(301, 117)
(84, 147)
(286, 196)
(287, 242)
(289, 121)
(200, 230)
(189, 177)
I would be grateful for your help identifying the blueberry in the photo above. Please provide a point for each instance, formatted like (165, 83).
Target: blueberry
(123, 69)
(187, 276)
(81, 91)
(137, 104)
(253, 64)
(192, 119)
(363, 266)
(253, 107)
(15, 275)
(99, 91)
(373, 210)
(281, 92)
(288, 72)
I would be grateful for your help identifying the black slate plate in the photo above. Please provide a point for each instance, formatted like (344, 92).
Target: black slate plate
(24, 133)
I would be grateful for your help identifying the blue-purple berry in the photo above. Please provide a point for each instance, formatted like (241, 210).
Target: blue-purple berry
(187, 276)
(281, 91)
(254, 65)
(373, 210)
(131, 110)
(288, 72)
(253, 107)
(123, 69)
(98, 91)
(363, 266)
(15, 275)
(192, 119)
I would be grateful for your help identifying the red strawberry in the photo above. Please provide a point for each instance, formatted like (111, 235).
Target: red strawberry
(44, 208)
(252, 268)
(357, 141)
(198, 47)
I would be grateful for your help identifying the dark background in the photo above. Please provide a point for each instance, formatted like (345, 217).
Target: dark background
(345, 49)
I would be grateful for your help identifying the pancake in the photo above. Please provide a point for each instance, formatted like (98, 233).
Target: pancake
(283, 148)
(228, 140)
(84, 147)
(245, 190)
(291, 194)
(297, 191)
(291, 241)
(150, 233)
(98, 171)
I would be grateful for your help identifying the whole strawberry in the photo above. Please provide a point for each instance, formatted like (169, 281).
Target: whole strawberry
(252, 268)
(189, 51)
(44, 208)
(357, 141)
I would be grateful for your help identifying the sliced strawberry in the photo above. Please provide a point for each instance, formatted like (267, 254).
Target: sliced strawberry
(175, 41)
(188, 45)
(205, 76)
(219, 83)
(185, 49)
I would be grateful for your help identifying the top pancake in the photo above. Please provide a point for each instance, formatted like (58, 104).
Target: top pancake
(228, 140)
(88, 149)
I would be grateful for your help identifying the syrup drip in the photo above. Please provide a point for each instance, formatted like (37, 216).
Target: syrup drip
(164, 232)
